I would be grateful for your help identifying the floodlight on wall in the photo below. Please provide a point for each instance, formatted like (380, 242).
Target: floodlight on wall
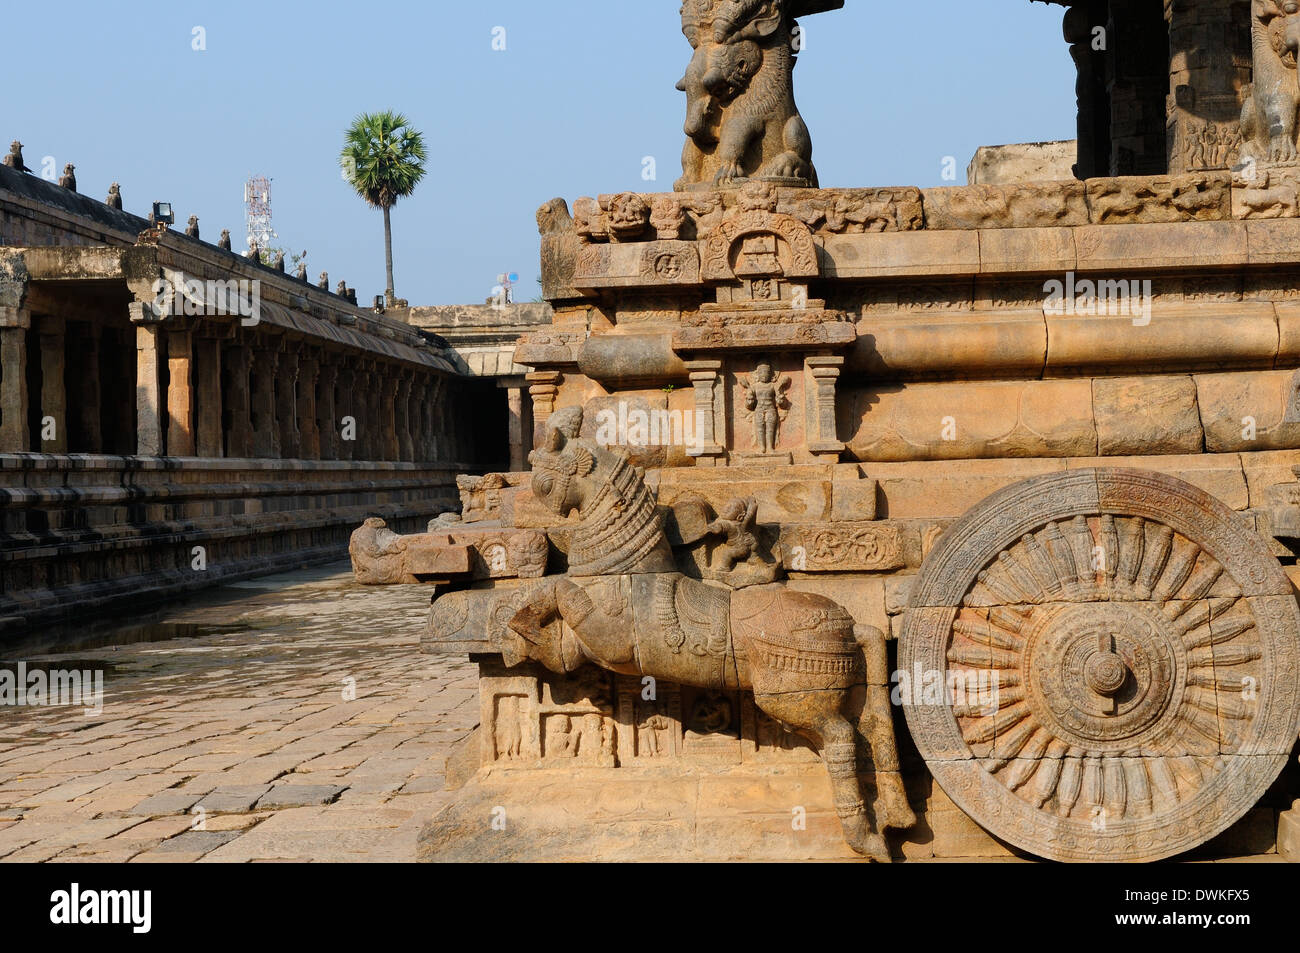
(162, 214)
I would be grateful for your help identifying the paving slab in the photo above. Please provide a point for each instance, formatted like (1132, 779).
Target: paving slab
(235, 799)
(251, 722)
(168, 802)
(299, 795)
(196, 842)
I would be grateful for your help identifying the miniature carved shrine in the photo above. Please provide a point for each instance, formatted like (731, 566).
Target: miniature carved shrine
(897, 521)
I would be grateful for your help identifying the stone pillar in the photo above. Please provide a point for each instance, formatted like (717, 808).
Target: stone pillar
(266, 435)
(308, 435)
(54, 388)
(518, 454)
(209, 401)
(1209, 43)
(389, 381)
(544, 386)
(1082, 21)
(423, 402)
(822, 372)
(148, 388)
(14, 436)
(121, 408)
(180, 392)
(368, 434)
(239, 424)
(327, 422)
(286, 401)
(345, 411)
(405, 445)
(89, 404)
(704, 378)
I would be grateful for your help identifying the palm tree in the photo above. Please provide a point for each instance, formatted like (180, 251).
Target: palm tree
(383, 159)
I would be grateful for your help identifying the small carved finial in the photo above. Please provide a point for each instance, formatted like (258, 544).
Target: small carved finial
(301, 274)
(324, 282)
(192, 229)
(254, 253)
(14, 159)
(69, 178)
(342, 289)
(114, 199)
(278, 262)
(224, 241)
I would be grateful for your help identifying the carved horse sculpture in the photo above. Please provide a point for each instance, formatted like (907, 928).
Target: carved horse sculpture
(625, 607)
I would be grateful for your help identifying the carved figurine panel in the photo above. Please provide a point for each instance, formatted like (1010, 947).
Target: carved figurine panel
(531, 722)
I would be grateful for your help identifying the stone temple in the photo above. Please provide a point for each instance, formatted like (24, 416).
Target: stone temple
(878, 522)
(954, 522)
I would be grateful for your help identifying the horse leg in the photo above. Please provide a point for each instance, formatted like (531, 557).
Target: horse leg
(877, 726)
(819, 713)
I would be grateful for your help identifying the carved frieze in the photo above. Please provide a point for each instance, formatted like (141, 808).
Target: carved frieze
(727, 256)
(842, 547)
(1023, 205)
(856, 211)
(727, 329)
(1193, 197)
(530, 722)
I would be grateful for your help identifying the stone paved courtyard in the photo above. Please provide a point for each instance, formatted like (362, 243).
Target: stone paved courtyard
(235, 743)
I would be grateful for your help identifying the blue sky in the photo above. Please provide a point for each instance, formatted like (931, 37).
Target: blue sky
(581, 95)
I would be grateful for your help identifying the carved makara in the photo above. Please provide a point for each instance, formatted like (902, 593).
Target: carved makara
(741, 118)
(626, 608)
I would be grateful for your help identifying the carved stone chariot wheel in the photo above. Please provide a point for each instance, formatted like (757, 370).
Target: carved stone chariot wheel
(1103, 665)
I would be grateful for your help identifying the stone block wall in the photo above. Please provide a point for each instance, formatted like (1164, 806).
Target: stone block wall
(87, 534)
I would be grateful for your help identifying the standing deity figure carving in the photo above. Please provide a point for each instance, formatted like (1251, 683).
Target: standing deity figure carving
(741, 119)
(114, 200)
(765, 399)
(736, 522)
(1268, 118)
(69, 178)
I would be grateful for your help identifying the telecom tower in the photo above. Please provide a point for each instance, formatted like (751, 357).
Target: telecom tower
(257, 205)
